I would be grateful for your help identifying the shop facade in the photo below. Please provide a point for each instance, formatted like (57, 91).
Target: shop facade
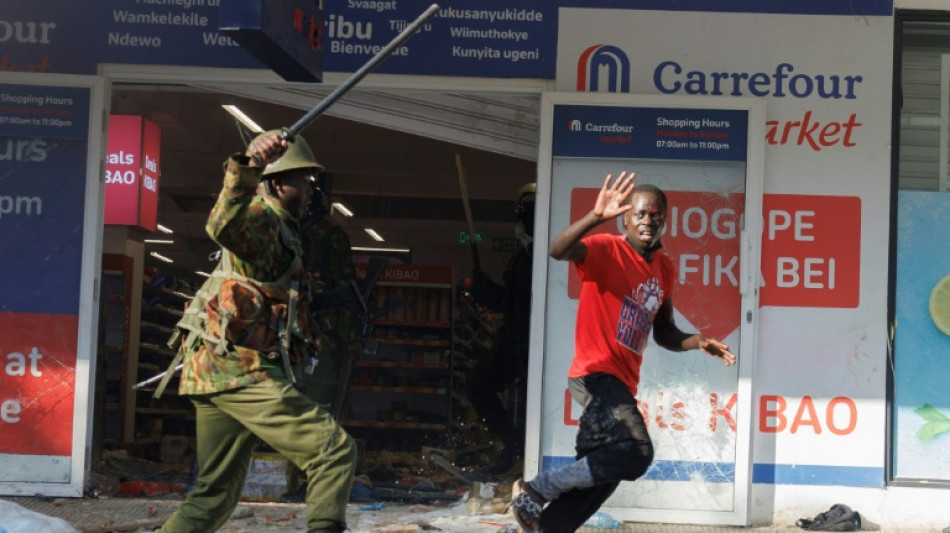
(793, 103)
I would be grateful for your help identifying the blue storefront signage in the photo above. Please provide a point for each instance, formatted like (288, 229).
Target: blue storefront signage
(792, 7)
(472, 38)
(178, 32)
(650, 133)
(485, 38)
(47, 36)
(43, 153)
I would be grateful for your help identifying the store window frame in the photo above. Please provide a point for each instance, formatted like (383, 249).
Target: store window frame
(901, 18)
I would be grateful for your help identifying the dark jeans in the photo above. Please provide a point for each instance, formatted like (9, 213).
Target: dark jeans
(613, 437)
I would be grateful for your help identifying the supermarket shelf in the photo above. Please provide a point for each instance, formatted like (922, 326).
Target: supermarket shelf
(392, 425)
(161, 311)
(157, 327)
(391, 364)
(151, 289)
(398, 390)
(413, 342)
(156, 348)
(163, 411)
(410, 323)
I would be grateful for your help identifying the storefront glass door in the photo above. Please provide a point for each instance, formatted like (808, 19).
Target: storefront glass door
(707, 157)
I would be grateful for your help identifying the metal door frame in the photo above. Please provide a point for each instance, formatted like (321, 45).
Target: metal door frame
(749, 283)
(88, 283)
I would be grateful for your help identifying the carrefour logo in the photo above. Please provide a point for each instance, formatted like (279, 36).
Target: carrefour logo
(606, 59)
(608, 65)
(577, 125)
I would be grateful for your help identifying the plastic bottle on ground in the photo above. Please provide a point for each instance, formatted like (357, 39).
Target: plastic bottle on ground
(602, 520)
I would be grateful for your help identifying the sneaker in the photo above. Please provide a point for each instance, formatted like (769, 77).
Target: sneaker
(527, 507)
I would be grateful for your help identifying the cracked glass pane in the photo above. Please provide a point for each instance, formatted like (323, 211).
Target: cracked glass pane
(688, 399)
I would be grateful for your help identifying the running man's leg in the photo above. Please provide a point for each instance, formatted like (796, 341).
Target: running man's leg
(612, 435)
(570, 510)
(612, 445)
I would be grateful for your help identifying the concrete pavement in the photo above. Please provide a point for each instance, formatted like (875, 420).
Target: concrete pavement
(127, 515)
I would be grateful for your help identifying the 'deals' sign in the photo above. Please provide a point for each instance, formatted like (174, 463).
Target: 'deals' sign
(132, 172)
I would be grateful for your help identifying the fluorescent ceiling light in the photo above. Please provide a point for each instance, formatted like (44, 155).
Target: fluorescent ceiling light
(243, 119)
(204, 274)
(161, 257)
(342, 209)
(164, 229)
(374, 249)
(372, 233)
(159, 241)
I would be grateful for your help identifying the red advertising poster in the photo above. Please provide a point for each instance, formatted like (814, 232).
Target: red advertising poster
(38, 383)
(123, 165)
(151, 170)
(811, 249)
(132, 172)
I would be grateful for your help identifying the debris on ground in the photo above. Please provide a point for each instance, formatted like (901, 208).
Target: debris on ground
(99, 484)
(405, 528)
(119, 474)
(149, 489)
(242, 512)
(371, 506)
(602, 520)
(839, 518)
(17, 519)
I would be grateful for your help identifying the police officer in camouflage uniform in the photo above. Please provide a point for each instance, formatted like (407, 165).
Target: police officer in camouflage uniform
(328, 261)
(243, 331)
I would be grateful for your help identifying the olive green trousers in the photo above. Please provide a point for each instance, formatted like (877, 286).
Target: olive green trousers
(321, 387)
(228, 426)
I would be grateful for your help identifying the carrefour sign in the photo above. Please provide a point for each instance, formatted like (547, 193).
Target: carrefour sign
(607, 68)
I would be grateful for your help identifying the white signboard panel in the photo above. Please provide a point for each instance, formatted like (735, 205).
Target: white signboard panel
(50, 239)
(821, 368)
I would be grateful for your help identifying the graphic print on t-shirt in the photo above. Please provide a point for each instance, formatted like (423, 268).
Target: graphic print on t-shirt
(636, 315)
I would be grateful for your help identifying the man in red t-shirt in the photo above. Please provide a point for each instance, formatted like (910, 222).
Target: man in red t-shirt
(627, 288)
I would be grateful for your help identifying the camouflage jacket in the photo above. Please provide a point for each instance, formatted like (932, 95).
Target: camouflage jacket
(261, 248)
(328, 261)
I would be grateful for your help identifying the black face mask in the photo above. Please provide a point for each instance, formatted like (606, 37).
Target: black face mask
(318, 202)
(524, 213)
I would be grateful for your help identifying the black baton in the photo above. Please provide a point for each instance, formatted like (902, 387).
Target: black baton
(320, 108)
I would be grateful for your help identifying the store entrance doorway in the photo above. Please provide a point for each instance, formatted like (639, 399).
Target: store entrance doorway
(395, 180)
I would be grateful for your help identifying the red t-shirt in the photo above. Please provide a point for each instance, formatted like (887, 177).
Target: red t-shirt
(620, 295)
